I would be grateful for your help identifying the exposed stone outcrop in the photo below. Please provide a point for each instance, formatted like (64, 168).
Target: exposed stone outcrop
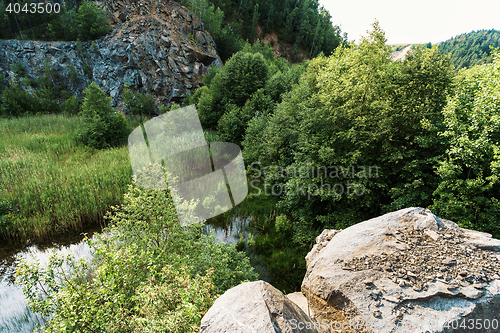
(150, 49)
(321, 241)
(255, 307)
(407, 271)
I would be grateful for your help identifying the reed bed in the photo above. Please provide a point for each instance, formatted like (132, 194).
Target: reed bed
(52, 184)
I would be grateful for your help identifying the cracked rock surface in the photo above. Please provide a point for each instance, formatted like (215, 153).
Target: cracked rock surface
(255, 307)
(406, 271)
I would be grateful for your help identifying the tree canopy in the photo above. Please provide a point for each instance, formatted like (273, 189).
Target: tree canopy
(82, 20)
(301, 22)
(356, 118)
(472, 48)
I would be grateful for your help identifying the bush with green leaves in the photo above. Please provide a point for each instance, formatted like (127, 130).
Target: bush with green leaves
(242, 76)
(234, 123)
(148, 273)
(228, 42)
(71, 106)
(469, 188)
(91, 21)
(138, 104)
(18, 101)
(102, 127)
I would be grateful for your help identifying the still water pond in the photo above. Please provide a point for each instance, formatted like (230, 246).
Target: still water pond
(15, 315)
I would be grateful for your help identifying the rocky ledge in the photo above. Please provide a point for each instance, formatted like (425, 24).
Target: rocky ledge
(406, 271)
(157, 47)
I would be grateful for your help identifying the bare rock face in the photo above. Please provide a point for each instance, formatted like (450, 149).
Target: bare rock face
(406, 271)
(255, 307)
(321, 241)
(150, 48)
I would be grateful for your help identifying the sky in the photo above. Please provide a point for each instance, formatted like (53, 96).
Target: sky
(414, 22)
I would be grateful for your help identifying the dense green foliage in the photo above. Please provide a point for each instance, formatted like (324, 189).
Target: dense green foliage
(248, 86)
(42, 95)
(148, 274)
(138, 104)
(82, 20)
(470, 187)
(300, 22)
(472, 48)
(49, 183)
(356, 109)
(101, 127)
(354, 135)
(361, 135)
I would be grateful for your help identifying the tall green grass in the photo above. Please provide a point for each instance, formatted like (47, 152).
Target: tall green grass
(49, 183)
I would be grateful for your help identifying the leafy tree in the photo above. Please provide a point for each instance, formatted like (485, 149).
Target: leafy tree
(355, 109)
(65, 25)
(242, 76)
(101, 126)
(71, 106)
(228, 42)
(283, 81)
(138, 104)
(86, 21)
(255, 20)
(17, 101)
(212, 18)
(92, 22)
(4, 21)
(259, 47)
(233, 123)
(469, 187)
(423, 83)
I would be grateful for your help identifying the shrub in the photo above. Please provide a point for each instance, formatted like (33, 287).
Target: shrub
(73, 76)
(138, 105)
(235, 83)
(19, 71)
(228, 42)
(163, 109)
(18, 102)
(148, 273)
(101, 126)
(87, 70)
(70, 106)
(174, 106)
(234, 123)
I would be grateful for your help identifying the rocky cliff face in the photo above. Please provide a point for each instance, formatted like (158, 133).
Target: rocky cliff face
(150, 48)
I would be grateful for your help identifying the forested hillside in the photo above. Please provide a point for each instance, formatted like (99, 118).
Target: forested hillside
(37, 20)
(472, 48)
(301, 22)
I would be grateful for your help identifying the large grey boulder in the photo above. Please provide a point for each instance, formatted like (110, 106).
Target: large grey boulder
(255, 307)
(406, 271)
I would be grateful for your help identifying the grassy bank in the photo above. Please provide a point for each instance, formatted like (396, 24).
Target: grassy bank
(49, 184)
